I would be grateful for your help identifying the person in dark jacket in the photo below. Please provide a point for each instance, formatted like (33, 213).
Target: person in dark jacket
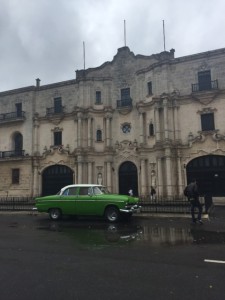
(152, 193)
(193, 197)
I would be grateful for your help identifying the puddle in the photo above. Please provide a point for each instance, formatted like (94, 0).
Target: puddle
(96, 235)
(99, 235)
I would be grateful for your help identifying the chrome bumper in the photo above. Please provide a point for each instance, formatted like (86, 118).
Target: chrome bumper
(133, 209)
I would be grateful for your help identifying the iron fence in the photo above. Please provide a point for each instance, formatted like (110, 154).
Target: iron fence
(159, 205)
(168, 205)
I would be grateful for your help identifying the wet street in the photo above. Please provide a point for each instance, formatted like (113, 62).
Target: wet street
(145, 258)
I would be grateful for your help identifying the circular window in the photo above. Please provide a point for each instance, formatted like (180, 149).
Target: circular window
(126, 128)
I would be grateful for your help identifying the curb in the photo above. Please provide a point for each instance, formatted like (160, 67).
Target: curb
(168, 215)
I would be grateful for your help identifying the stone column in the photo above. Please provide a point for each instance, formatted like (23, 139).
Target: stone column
(176, 123)
(76, 132)
(159, 178)
(165, 115)
(79, 171)
(36, 127)
(143, 177)
(108, 130)
(168, 173)
(36, 180)
(79, 130)
(90, 172)
(141, 125)
(109, 176)
(157, 124)
(180, 186)
(89, 131)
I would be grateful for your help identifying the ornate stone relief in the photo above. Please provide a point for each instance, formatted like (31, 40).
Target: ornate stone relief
(126, 148)
(206, 97)
(56, 149)
(193, 139)
(218, 137)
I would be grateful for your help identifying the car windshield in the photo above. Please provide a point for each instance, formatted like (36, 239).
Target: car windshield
(98, 190)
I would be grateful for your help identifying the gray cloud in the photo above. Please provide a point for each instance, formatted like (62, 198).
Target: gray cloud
(45, 38)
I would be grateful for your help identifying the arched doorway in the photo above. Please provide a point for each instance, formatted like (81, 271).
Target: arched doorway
(128, 178)
(209, 170)
(54, 178)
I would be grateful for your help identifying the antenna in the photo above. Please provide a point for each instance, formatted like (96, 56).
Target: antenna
(84, 53)
(125, 33)
(164, 39)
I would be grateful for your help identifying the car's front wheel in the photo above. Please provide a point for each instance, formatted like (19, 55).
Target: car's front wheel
(112, 214)
(55, 214)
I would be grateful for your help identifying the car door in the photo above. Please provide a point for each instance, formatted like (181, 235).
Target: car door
(68, 201)
(85, 203)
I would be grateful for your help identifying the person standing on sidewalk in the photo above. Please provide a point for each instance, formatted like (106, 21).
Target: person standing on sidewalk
(193, 197)
(152, 193)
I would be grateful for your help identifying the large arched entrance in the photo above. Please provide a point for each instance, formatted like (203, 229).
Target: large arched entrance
(128, 178)
(209, 170)
(54, 178)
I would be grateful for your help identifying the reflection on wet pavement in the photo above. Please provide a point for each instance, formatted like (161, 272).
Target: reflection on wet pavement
(99, 234)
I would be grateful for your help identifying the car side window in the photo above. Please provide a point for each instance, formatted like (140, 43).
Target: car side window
(72, 191)
(66, 192)
(83, 191)
(90, 191)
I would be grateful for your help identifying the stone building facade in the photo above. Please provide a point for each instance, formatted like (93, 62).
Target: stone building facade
(134, 122)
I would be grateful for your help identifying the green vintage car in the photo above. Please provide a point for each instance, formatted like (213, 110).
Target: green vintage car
(87, 200)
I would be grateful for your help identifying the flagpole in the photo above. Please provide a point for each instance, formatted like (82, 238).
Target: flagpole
(164, 38)
(84, 53)
(125, 33)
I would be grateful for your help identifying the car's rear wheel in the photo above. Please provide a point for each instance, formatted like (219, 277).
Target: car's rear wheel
(55, 214)
(112, 214)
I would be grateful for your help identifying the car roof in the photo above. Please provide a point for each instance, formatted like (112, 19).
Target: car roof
(81, 185)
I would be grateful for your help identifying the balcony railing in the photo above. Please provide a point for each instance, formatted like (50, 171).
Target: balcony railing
(55, 110)
(12, 116)
(14, 153)
(124, 103)
(207, 86)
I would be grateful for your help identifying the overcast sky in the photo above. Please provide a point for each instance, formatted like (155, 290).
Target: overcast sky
(44, 38)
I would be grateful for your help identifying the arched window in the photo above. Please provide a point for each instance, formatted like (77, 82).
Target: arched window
(99, 135)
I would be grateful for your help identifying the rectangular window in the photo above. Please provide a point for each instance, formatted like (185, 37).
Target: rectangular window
(207, 121)
(125, 94)
(19, 109)
(98, 97)
(149, 88)
(151, 129)
(57, 138)
(204, 80)
(57, 105)
(15, 176)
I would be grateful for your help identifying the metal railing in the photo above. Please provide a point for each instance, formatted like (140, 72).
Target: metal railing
(171, 205)
(213, 85)
(55, 110)
(12, 116)
(13, 153)
(160, 205)
(124, 103)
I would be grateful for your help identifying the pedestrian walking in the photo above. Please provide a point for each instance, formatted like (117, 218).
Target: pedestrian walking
(191, 192)
(130, 192)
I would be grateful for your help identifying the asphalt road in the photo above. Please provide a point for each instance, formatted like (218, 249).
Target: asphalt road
(146, 258)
